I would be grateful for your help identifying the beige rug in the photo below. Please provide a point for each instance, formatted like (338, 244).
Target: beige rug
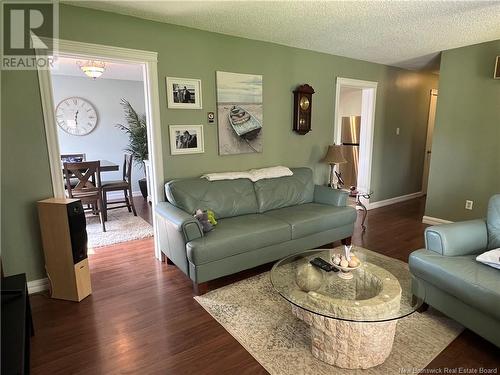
(261, 320)
(122, 226)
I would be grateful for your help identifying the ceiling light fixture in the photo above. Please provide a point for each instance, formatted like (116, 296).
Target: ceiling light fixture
(92, 68)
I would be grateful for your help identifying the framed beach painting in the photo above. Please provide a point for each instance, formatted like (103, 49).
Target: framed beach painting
(186, 139)
(239, 110)
(184, 93)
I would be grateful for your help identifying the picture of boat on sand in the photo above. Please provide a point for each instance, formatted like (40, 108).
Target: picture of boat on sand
(239, 105)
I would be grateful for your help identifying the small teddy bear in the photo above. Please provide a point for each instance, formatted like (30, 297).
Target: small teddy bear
(202, 217)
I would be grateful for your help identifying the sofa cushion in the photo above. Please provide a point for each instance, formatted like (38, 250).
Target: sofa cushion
(237, 235)
(226, 198)
(461, 276)
(310, 218)
(287, 191)
(493, 222)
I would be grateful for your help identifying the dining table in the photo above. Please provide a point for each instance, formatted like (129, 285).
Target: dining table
(106, 166)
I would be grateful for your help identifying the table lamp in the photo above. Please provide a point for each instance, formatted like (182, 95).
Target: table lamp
(334, 156)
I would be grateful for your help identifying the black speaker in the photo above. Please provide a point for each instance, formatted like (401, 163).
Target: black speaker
(77, 231)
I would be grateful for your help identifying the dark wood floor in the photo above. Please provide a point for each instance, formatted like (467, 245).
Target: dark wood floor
(142, 319)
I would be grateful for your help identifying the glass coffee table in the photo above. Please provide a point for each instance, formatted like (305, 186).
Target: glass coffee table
(352, 320)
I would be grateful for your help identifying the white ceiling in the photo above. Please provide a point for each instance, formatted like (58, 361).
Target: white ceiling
(408, 34)
(66, 66)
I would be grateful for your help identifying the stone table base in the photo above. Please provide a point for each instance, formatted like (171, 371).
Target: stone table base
(367, 302)
(347, 344)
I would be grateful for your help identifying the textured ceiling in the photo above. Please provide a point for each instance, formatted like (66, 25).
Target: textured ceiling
(409, 34)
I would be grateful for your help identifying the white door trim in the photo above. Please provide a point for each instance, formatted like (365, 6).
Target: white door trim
(431, 121)
(369, 97)
(49, 119)
(89, 50)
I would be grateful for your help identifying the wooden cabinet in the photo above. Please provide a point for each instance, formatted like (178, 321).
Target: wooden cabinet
(64, 239)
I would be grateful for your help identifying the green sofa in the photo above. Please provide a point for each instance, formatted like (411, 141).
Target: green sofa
(257, 222)
(453, 281)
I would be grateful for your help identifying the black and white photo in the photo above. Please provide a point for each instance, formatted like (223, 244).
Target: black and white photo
(184, 93)
(186, 139)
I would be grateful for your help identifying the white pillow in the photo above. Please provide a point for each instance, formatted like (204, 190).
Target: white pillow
(270, 172)
(253, 174)
(490, 258)
(226, 176)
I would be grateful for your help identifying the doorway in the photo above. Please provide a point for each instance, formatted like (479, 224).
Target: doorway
(146, 63)
(428, 141)
(100, 107)
(353, 129)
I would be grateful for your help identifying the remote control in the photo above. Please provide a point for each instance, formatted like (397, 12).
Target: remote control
(323, 264)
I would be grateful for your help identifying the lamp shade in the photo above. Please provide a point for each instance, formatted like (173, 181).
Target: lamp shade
(334, 155)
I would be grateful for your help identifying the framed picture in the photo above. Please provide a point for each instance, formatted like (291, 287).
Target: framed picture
(186, 139)
(184, 93)
(239, 106)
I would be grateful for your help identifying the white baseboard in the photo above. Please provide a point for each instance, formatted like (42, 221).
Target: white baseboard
(387, 202)
(114, 195)
(39, 285)
(434, 220)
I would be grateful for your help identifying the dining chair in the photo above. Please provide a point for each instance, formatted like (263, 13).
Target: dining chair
(88, 191)
(72, 158)
(125, 185)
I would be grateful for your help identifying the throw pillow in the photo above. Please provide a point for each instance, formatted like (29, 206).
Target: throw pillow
(490, 258)
(493, 222)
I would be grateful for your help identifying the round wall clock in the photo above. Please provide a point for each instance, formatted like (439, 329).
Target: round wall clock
(76, 116)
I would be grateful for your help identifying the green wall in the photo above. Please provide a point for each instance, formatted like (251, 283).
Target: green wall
(402, 101)
(465, 160)
(25, 173)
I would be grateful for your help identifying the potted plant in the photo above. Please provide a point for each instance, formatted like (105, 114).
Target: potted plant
(137, 132)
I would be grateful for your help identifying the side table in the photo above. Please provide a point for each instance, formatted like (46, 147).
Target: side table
(359, 195)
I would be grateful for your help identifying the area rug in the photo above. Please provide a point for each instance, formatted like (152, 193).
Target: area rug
(261, 320)
(122, 226)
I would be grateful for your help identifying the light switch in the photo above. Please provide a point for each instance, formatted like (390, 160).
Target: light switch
(397, 131)
(468, 205)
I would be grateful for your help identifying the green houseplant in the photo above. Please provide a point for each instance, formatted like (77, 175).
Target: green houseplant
(137, 132)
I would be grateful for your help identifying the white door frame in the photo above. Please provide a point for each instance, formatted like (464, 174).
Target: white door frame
(428, 139)
(368, 102)
(97, 51)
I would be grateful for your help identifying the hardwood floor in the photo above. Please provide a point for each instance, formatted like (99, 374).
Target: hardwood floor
(142, 319)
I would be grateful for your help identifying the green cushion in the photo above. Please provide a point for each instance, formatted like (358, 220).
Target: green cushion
(493, 222)
(474, 283)
(273, 193)
(226, 198)
(310, 218)
(236, 235)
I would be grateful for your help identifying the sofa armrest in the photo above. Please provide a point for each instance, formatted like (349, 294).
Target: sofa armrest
(327, 195)
(181, 220)
(460, 238)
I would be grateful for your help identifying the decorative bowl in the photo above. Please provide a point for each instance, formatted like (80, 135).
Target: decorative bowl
(345, 272)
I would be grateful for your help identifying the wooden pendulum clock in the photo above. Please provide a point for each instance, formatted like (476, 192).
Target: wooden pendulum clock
(302, 109)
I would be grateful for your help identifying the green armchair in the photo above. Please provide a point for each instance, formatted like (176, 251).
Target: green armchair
(453, 281)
